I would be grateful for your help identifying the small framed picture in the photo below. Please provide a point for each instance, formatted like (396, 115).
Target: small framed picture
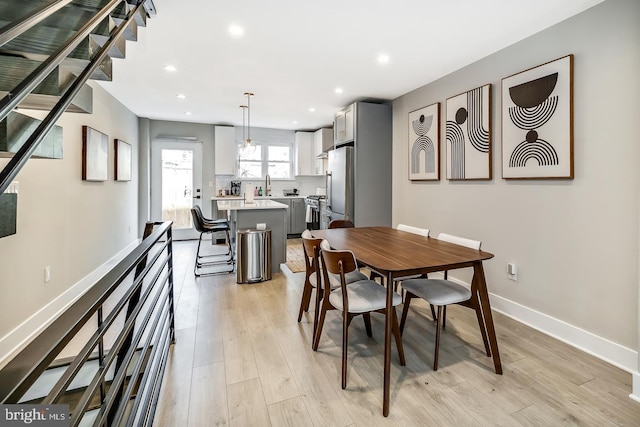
(424, 143)
(95, 155)
(122, 160)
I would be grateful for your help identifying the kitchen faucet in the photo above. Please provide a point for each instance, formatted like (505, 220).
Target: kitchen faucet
(267, 185)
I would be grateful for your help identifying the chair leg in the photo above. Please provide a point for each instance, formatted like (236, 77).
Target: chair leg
(396, 333)
(306, 298)
(323, 314)
(316, 313)
(367, 324)
(438, 330)
(346, 319)
(433, 312)
(405, 310)
(196, 263)
(444, 317)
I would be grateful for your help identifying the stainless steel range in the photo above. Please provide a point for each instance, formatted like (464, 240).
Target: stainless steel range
(314, 205)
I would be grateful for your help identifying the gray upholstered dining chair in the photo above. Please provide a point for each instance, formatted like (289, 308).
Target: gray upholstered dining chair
(313, 277)
(439, 293)
(357, 298)
(311, 250)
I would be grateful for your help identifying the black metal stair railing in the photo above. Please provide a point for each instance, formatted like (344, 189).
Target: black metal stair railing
(13, 99)
(134, 299)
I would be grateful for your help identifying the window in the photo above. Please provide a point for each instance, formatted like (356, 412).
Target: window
(261, 159)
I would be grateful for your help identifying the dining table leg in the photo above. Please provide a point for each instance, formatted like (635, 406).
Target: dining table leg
(480, 285)
(387, 346)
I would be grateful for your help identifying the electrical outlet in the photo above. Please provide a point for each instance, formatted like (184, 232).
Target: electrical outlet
(47, 274)
(512, 271)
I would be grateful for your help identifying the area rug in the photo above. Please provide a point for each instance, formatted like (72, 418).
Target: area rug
(295, 256)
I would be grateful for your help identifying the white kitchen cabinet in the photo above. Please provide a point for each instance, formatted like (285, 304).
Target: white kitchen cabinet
(322, 141)
(304, 153)
(225, 150)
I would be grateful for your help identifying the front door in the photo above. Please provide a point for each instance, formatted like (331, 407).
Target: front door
(176, 183)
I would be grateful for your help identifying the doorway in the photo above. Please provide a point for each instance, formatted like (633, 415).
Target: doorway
(176, 184)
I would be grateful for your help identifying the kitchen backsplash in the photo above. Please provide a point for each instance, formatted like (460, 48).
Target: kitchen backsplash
(305, 184)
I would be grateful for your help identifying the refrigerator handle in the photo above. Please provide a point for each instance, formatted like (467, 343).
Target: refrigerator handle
(328, 185)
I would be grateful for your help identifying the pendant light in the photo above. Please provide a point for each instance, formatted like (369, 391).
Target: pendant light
(247, 141)
(244, 114)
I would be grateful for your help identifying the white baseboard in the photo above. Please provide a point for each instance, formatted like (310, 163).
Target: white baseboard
(608, 351)
(635, 390)
(21, 336)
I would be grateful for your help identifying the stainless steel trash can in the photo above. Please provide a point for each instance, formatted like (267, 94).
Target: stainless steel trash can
(253, 255)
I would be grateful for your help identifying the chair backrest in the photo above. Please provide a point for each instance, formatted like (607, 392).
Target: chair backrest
(462, 241)
(341, 223)
(311, 249)
(415, 230)
(197, 221)
(336, 262)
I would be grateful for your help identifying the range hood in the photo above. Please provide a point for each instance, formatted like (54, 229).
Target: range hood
(326, 136)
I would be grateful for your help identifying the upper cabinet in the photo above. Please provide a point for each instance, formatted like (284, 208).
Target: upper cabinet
(310, 147)
(322, 142)
(343, 125)
(304, 149)
(225, 150)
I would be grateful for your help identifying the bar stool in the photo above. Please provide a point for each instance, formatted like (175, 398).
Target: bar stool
(210, 226)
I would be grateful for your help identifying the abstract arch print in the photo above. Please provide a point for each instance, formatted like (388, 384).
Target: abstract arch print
(537, 136)
(468, 135)
(424, 143)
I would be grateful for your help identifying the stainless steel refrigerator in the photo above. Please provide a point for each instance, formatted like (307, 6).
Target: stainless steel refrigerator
(359, 170)
(340, 185)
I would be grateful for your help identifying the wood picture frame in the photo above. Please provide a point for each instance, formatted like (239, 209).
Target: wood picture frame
(468, 135)
(122, 160)
(537, 122)
(424, 143)
(95, 155)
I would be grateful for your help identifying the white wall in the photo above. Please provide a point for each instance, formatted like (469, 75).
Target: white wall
(576, 241)
(71, 225)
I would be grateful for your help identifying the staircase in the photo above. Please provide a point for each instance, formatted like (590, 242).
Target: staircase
(48, 51)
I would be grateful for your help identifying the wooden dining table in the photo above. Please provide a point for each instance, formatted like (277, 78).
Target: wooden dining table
(394, 253)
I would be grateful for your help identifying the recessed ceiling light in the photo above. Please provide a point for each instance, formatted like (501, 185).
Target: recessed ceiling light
(338, 90)
(181, 96)
(295, 122)
(312, 109)
(188, 113)
(170, 68)
(383, 58)
(236, 30)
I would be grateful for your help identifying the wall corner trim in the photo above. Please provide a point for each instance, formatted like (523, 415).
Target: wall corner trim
(635, 391)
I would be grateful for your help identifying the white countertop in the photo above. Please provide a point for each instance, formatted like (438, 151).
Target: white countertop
(231, 204)
(218, 198)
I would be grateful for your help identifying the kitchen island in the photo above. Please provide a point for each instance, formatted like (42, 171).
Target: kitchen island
(273, 215)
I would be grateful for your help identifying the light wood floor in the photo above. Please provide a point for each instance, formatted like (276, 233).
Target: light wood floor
(242, 359)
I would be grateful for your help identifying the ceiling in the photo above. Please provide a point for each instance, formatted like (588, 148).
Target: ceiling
(294, 54)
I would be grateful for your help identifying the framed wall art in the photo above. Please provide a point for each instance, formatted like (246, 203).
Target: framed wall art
(537, 122)
(122, 160)
(468, 135)
(95, 155)
(424, 143)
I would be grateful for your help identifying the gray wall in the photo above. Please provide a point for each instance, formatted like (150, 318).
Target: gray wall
(575, 242)
(71, 225)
